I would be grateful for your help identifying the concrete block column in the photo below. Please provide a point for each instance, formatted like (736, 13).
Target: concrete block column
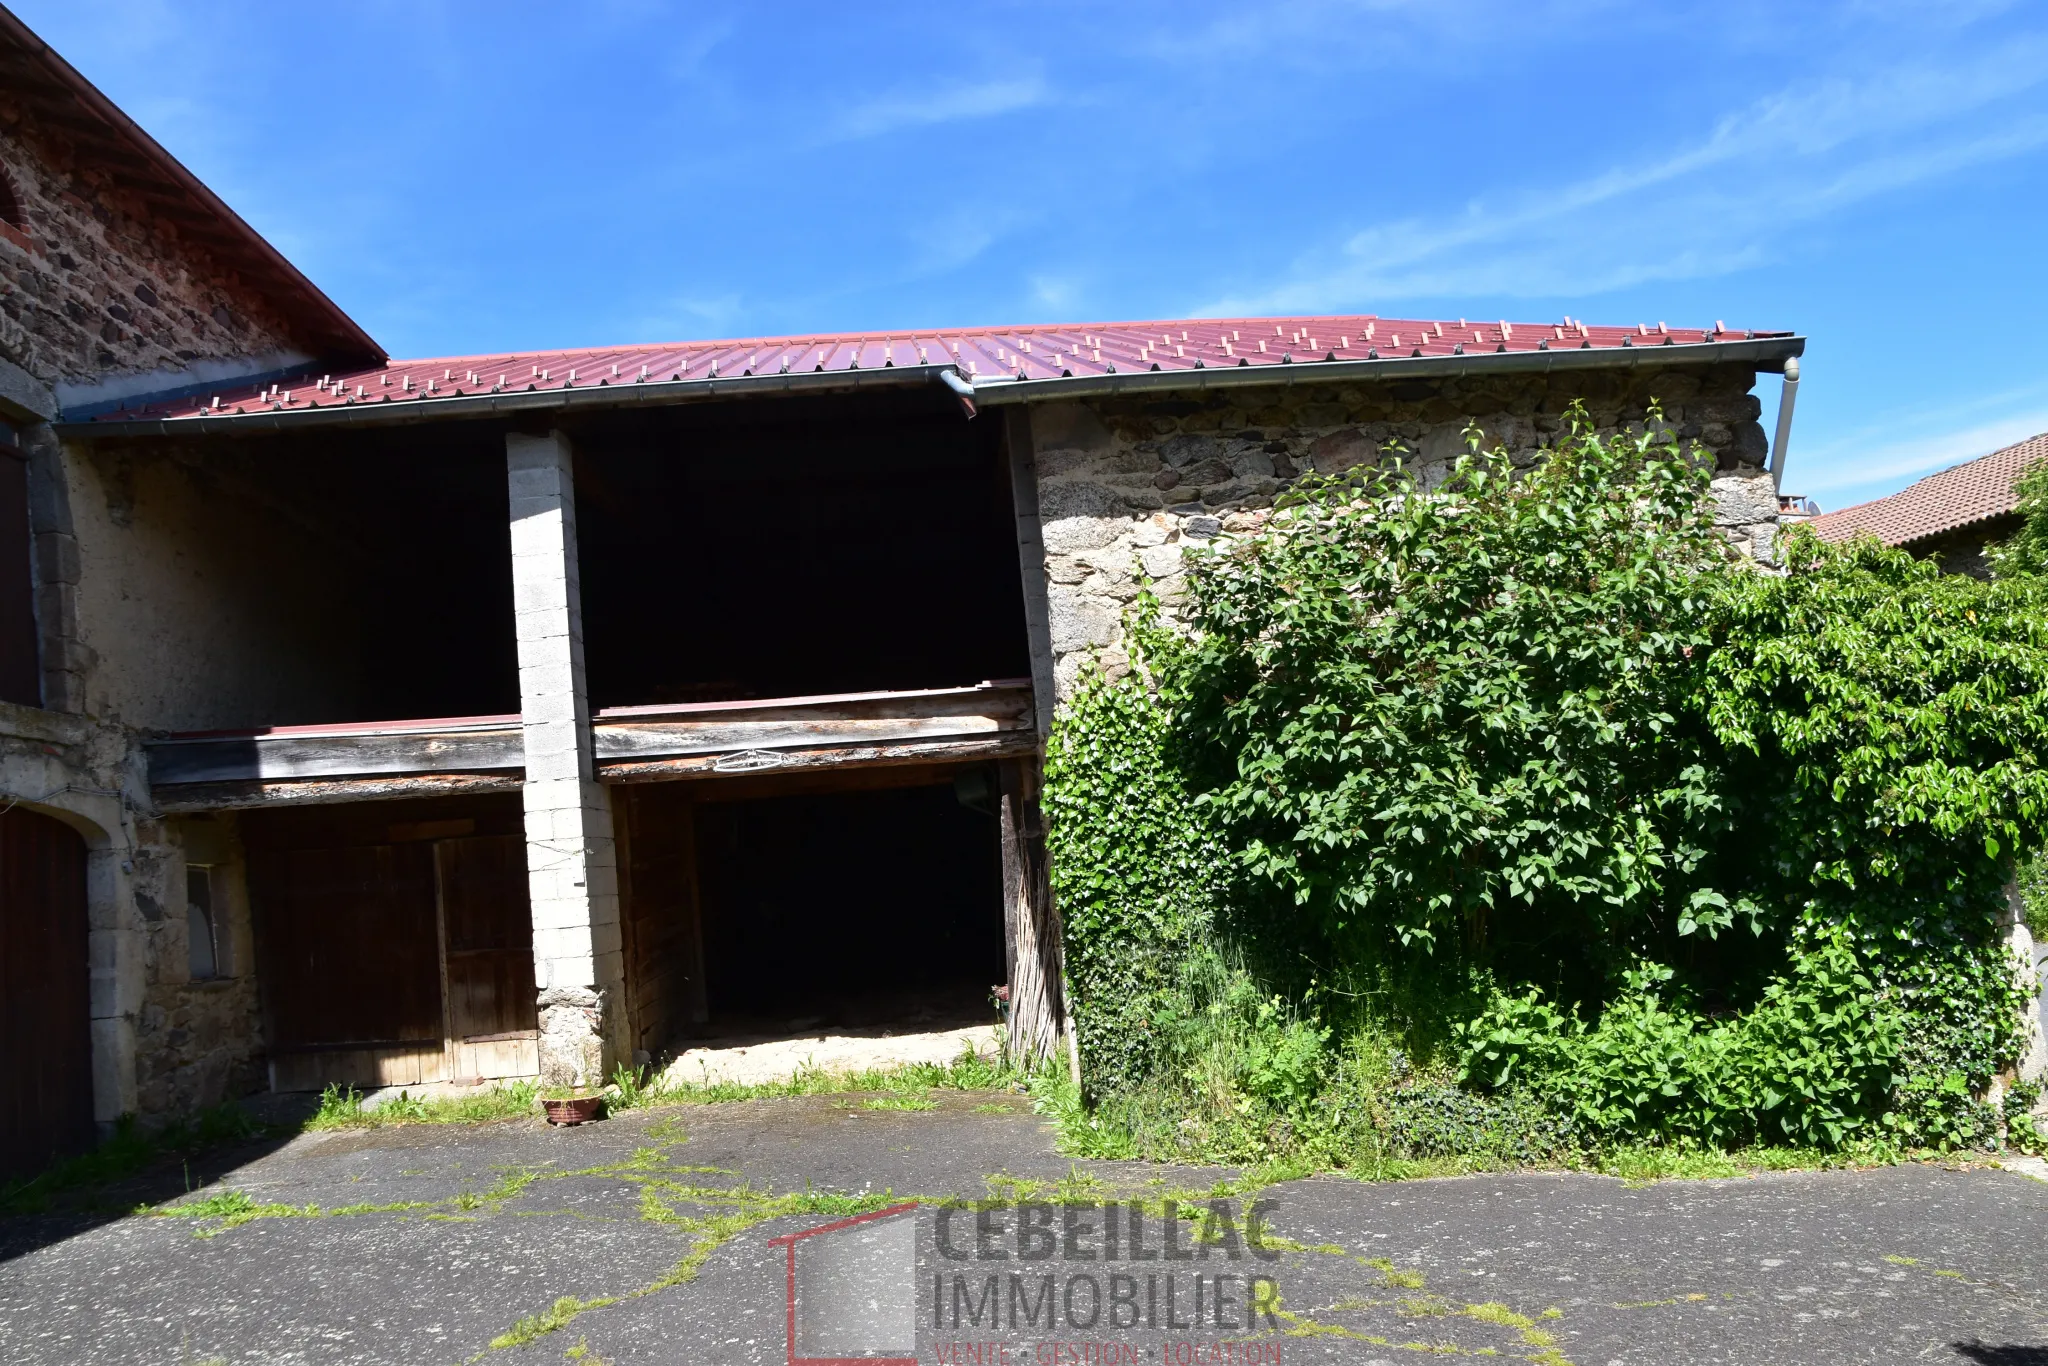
(571, 863)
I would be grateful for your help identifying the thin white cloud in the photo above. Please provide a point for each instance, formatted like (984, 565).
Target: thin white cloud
(1721, 204)
(945, 104)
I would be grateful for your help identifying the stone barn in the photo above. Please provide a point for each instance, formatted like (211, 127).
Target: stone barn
(373, 721)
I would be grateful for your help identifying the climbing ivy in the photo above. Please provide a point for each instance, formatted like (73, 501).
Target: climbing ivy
(1134, 869)
(1696, 851)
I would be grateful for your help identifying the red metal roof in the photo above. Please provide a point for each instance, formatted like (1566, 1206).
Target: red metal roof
(1962, 495)
(982, 355)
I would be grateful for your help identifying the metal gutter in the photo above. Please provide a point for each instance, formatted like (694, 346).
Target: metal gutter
(515, 402)
(1765, 353)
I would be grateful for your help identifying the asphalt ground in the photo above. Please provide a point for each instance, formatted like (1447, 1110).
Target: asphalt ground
(431, 1242)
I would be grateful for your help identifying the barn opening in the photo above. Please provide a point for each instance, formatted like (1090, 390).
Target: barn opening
(775, 906)
(394, 941)
(325, 577)
(785, 548)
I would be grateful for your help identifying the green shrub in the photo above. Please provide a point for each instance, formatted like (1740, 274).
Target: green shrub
(1581, 807)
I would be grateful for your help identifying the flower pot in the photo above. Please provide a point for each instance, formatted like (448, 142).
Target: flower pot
(573, 1110)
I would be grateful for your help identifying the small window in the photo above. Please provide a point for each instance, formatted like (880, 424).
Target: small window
(202, 925)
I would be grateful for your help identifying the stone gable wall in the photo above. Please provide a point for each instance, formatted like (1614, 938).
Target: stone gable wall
(1127, 482)
(92, 287)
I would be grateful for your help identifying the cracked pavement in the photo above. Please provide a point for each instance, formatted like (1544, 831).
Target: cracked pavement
(429, 1242)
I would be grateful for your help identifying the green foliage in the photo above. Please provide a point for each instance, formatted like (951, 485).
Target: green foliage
(2026, 550)
(1446, 716)
(1810, 1065)
(2033, 885)
(344, 1107)
(1526, 777)
(1135, 867)
(130, 1149)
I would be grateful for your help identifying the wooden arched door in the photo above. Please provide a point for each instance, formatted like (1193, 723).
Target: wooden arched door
(45, 1030)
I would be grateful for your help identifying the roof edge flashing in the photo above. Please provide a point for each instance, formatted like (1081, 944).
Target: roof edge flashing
(1766, 354)
(652, 393)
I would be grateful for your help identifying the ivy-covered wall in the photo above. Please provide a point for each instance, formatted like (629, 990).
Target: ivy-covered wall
(1529, 788)
(1136, 481)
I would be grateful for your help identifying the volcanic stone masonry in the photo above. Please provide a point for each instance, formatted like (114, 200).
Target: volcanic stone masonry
(90, 285)
(1127, 482)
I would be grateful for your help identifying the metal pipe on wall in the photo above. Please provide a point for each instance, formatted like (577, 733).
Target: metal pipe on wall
(1786, 400)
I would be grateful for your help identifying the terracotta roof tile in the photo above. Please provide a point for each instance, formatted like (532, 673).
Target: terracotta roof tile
(1962, 495)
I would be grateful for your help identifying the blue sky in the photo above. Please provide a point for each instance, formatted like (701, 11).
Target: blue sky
(465, 178)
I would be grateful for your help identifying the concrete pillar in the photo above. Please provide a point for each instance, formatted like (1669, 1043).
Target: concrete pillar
(571, 864)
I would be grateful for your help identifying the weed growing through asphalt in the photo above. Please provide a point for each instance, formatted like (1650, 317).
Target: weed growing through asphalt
(129, 1150)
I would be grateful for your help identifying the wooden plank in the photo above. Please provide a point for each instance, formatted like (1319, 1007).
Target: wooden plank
(837, 724)
(664, 933)
(346, 944)
(1038, 1011)
(250, 795)
(746, 762)
(488, 952)
(1023, 462)
(273, 758)
(401, 1064)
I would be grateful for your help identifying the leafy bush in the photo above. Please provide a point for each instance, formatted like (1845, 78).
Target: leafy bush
(1583, 809)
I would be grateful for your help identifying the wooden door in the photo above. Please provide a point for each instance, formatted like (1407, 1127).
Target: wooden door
(349, 950)
(659, 903)
(45, 1026)
(487, 938)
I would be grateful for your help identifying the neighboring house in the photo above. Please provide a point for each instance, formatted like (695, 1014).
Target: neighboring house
(1953, 517)
(396, 721)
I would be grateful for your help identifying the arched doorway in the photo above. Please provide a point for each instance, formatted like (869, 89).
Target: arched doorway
(45, 1030)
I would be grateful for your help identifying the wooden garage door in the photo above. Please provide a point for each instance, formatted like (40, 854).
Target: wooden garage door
(395, 942)
(45, 1030)
(350, 962)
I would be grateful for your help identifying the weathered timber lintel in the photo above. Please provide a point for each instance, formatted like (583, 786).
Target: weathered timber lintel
(1007, 745)
(306, 765)
(843, 722)
(475, 746)
(320, 792)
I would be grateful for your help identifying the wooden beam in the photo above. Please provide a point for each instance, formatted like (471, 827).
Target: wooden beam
(298, 754)
(1023, 461)
(247, 794)
(749, 762)
(863, 720)
(1038, 1016)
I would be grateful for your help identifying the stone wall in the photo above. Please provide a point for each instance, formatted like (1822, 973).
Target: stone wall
(92, 286)
(163, 1045)
(91, 777)
(198, 602)
(1133, 481)
(197, 1043)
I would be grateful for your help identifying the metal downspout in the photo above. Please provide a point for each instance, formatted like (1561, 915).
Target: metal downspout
(1786, 400)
